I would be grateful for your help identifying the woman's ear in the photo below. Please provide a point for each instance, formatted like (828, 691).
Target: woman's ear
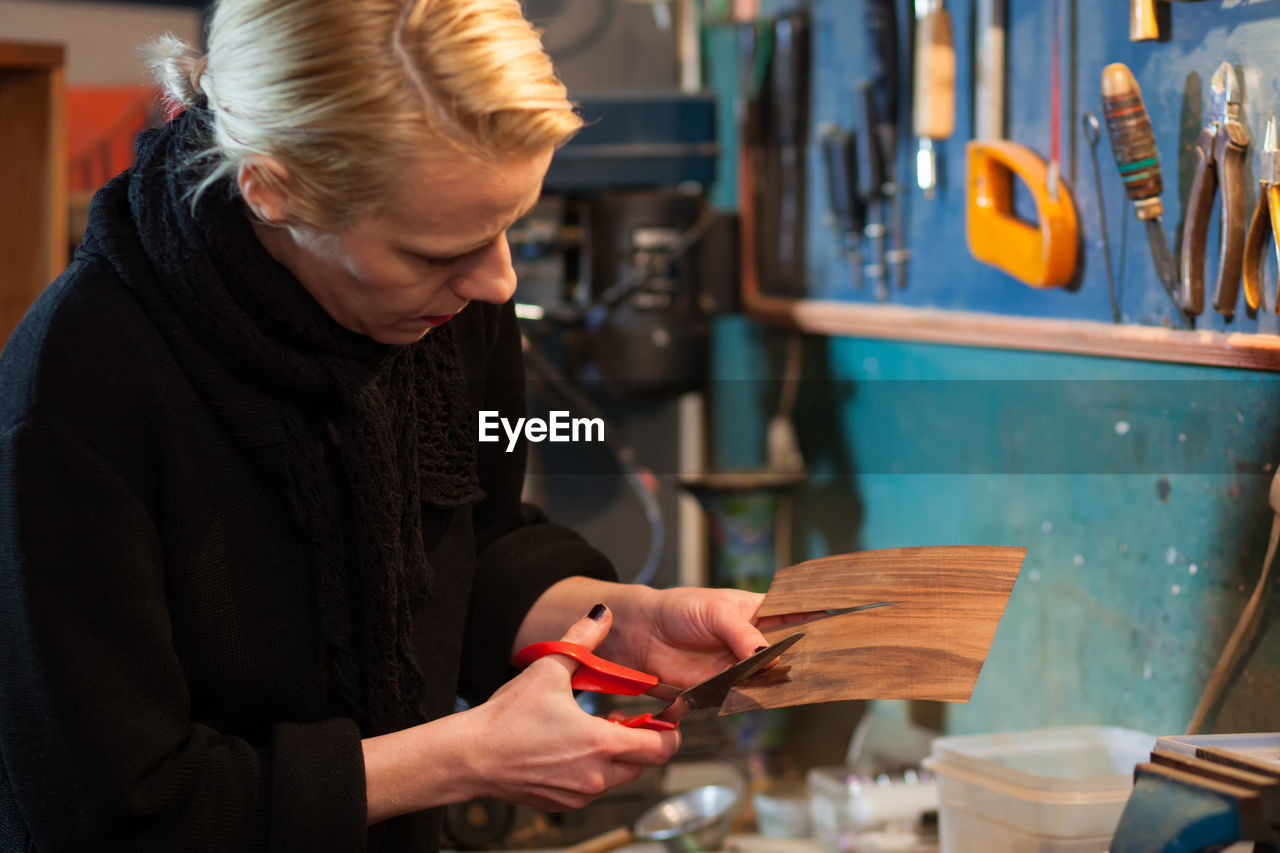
(263, 183)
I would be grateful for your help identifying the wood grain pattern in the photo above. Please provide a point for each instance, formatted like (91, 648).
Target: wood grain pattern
(929, 643)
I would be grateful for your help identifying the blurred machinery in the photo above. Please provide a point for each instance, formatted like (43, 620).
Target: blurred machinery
(624, 262)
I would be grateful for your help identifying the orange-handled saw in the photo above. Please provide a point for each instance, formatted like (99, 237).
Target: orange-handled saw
(1040, 253)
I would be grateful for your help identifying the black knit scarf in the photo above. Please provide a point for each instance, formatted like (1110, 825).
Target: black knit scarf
(361, 437)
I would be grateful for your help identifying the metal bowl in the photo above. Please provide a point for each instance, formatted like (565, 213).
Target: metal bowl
(693, 822)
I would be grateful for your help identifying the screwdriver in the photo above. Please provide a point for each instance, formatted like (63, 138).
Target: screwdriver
(877, 111)
(1134, 146)
(1090, 122)
(873, 182)
(848, 210)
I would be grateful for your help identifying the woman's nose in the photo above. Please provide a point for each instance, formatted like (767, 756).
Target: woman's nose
(489, 277)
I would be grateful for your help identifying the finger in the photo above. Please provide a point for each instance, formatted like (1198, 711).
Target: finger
(591, 629)
(742, 637)
(628, 772)
(579, 792)
(731, 620)
(643, 746)
(589, 632)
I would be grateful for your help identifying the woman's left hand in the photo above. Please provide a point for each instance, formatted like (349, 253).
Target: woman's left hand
(688, 634)
(683, 635)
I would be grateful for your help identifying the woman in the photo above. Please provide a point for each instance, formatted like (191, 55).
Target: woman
(251, 548)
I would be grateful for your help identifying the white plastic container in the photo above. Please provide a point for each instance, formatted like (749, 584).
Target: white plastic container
(842, 806)
(1059, 790)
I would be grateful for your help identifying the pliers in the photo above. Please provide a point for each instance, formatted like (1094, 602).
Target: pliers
(1220, 149)
(1266, 217)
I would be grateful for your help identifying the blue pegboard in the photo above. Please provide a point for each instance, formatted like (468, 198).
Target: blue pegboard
(1139, 488)
(1174, 77)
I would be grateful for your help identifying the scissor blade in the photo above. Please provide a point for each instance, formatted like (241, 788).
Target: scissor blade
(840, 611)
(712, 692)
(1166, 266)
(799, 620)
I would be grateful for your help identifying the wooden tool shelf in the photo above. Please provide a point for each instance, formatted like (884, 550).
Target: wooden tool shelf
(967, 328)
(33, 175)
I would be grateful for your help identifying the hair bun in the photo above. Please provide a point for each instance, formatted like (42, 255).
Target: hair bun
(177, 68)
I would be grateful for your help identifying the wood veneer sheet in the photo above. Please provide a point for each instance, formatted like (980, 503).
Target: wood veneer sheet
(929, 641)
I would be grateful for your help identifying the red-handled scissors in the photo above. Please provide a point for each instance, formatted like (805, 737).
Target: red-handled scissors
(597, 675)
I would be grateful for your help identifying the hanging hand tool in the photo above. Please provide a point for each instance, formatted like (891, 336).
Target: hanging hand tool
(1042, 254)
(1055, 103)
(789, 76)
(872, 181)
(877, 109)
(934, 78)
(598, 675)
(1266, 221)
(1091, 128)
(1142, 21)
(1134, 147)
(1220, 148)
(988, 72)
(848, 210)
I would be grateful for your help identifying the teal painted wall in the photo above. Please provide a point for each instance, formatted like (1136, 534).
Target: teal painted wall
(1139, 489)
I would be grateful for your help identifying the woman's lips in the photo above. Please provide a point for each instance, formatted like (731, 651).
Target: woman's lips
(438, 319)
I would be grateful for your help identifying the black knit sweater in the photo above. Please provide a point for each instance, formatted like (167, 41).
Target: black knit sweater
(166, 679)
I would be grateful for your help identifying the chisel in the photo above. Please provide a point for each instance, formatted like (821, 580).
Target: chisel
(934, 79)
(789, 74)
(1134, 147)
(1142, 20)
(1143, 24)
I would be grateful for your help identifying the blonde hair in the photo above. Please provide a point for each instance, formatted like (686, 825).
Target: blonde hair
(344, 93)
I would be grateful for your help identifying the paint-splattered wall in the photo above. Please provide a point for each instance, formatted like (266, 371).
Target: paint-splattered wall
(1140, 489)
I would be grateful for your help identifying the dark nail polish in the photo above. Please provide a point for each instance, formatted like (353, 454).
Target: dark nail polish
(597, 612)
(760, 649)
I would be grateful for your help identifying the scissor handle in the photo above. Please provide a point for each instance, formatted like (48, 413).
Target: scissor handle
(645, 721)
(595, 674)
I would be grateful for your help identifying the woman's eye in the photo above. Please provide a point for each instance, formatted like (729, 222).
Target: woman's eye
(439, 262)
(450, 260)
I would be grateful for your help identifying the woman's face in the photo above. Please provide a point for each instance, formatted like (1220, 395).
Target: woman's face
(440, 243)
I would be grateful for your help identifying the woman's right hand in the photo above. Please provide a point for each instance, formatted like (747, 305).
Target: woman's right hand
(530, 744)
(537, 747)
